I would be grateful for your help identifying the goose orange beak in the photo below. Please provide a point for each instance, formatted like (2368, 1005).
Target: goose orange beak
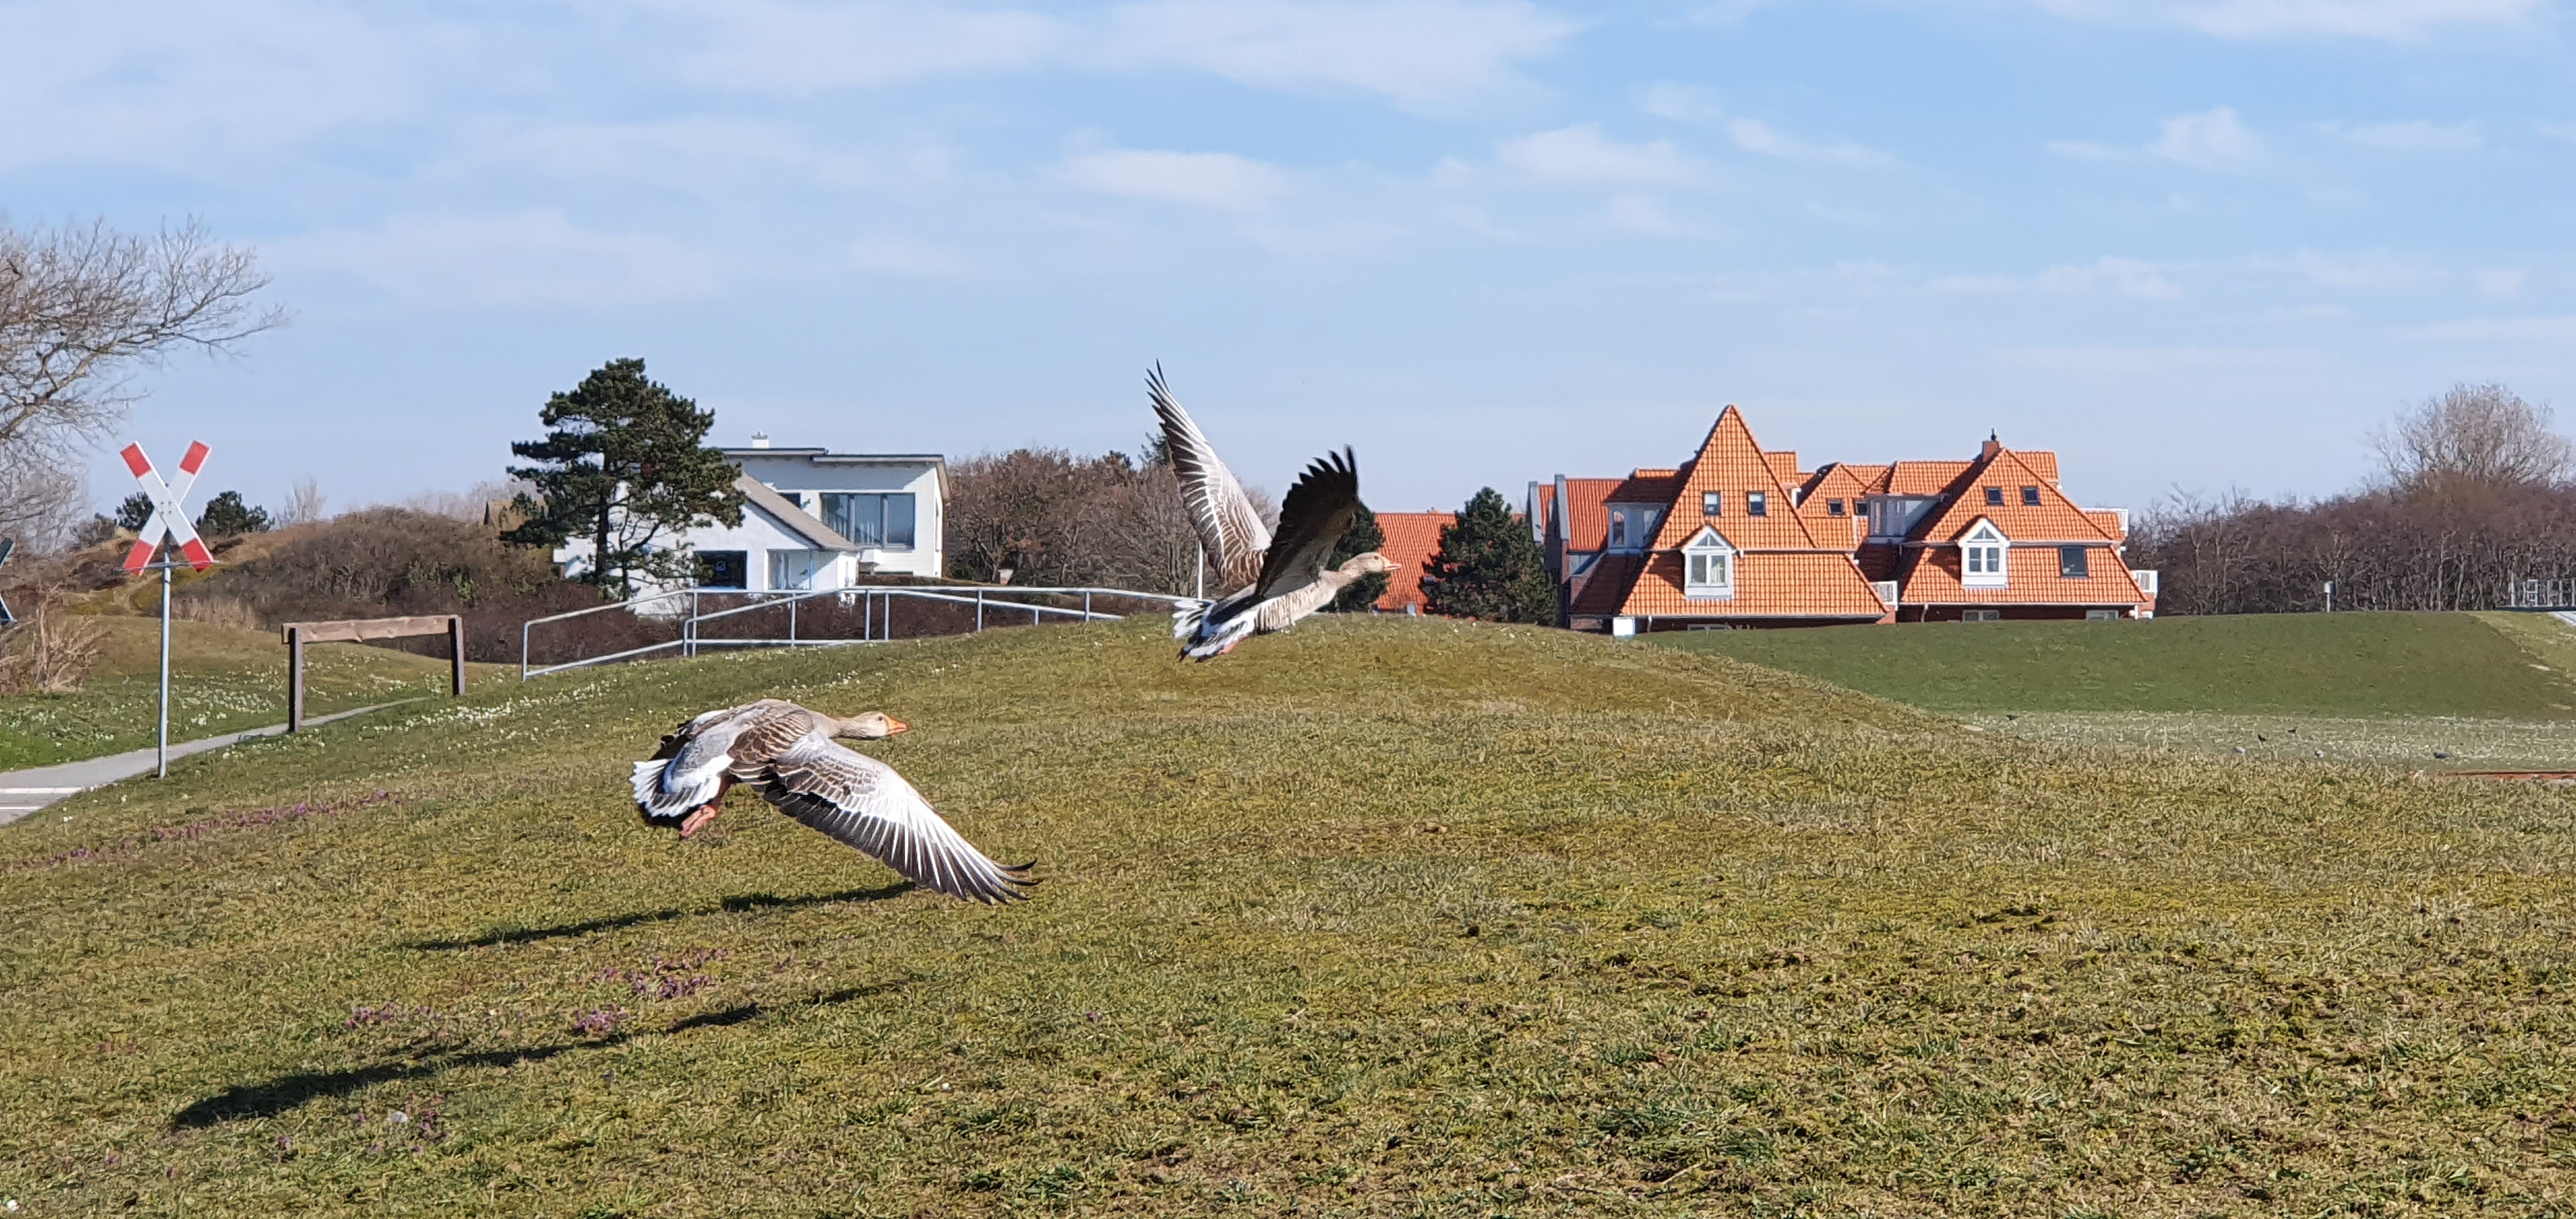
(894, 725)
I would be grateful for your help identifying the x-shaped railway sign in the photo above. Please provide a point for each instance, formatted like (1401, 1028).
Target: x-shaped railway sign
(169, 517)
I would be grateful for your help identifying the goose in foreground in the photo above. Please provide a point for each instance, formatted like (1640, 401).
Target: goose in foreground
(787, 754)
(1273, 581)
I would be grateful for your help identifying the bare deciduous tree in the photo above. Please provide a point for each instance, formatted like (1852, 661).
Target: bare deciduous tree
(2476, 438)
(305, 503)
(83, 309)
(41, 498)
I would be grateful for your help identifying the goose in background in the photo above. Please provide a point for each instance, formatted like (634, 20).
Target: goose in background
(1273, 580)
(788, 754)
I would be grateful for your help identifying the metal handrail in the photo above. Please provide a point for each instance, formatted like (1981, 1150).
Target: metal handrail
(690, 640)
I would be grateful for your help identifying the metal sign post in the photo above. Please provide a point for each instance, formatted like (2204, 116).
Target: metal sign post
(169, 523)
(8, 547)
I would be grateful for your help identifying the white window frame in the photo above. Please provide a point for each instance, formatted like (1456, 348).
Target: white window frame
(796, 571)
(1757, 504)
(1712, 503)
(1984, 555)
(1702, 556)
(1981, 615)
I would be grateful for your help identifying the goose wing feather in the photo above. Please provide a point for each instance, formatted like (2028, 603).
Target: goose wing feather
(1312, 520)
(689, 769)
(863, 803)
(1219, 510)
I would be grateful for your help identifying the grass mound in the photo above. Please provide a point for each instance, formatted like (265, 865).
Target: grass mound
(2337, 665)
(1378, 917)
(222, 679)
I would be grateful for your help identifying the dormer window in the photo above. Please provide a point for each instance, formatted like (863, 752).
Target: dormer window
(1994, 497)
(1833, 507)
(1756, 504)
(1618, 529)
(1708, 566)
(1981, 562)
(1712, 503)
(2030, 497)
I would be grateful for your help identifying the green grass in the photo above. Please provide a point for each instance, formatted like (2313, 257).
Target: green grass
(2336, 665)
(1380, 917)
(223, 679)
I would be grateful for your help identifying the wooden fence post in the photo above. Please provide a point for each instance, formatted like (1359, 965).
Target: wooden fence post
(295, 679)
(456, 650)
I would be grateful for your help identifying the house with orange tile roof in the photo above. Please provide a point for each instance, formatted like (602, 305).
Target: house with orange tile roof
(1411, 539)
(1741, 536)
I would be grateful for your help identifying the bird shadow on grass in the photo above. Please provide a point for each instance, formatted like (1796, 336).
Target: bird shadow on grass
(731, 905)
(271, 1097)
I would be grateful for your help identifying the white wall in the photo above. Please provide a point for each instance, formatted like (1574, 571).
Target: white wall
(793, 472)
(756, 536)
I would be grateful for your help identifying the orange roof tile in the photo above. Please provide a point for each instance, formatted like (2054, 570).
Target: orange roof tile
(1732, 465)
(1587, 512)
(2041, 462)
(1543, 496)
(1931, 576)
(1646, 487)
(1816, 503)
(1794, 584)
(2053, 519)
(2110, 521)
(1411, 539)
(1924, 477)
(1784, 465)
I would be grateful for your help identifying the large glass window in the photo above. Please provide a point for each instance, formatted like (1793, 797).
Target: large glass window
(870, 518)
(1710, 571)
(793, 570)
(723, 568)
(2075, 562)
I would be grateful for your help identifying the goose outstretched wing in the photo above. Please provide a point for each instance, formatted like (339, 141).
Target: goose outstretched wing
(864, 803)
(1312, 520)
(1219, 510)
(689, 769)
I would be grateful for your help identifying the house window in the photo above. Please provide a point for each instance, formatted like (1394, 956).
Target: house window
(1833, 507)
(1618, 529)
(1994, 497)
(2101, 615)
(793, 570)
(2030, 497)
(794, 497)
(2074, 562)
(1981, 556)
(1712, 503)
(1708, 566)
(1982, 616)
(870, 519)
(723, 568)
(1756, 504)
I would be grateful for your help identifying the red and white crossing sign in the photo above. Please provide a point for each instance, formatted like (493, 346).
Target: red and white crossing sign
(169, 516)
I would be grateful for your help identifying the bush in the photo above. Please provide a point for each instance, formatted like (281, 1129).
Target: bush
(49, 651)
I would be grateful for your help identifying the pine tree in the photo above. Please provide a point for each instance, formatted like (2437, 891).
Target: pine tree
(623, 463)
(227, 516)
(1364, 536)
(134, 513)
(1489, 567)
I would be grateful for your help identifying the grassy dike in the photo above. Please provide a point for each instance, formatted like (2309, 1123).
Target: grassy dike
(1380, 917)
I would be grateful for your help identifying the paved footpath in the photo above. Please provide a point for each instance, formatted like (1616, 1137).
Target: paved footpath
(24, 791)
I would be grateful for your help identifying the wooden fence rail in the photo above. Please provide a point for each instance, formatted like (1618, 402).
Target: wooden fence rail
(358, 630)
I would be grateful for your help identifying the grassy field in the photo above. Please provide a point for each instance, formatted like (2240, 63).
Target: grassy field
(1381, 917)
(2254, 664)
(223, 679)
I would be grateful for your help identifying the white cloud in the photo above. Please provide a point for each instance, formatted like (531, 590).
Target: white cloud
(1756, 137)
(1682, 103)
(909, 258)
(2369, 269)
(2389, 20)
(535, 258)
(2516, 329)
(1639, 213)
(1582, 154)
(2127, 277)
(2503, 281)
(775, 46)
(1421, 53)
(1217, 180)
(2411, 135)
(2211, 139)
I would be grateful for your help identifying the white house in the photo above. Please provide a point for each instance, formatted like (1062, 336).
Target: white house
(814, 520)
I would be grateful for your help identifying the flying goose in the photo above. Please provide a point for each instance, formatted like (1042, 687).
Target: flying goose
(1273, 581)
(787, 754)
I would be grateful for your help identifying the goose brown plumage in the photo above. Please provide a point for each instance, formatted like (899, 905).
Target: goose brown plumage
(788, 755)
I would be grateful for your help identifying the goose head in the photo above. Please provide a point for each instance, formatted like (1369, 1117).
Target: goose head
(873, 726)
(1369, 564)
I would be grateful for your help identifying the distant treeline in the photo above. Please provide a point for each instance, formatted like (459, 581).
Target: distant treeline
(2474, 493)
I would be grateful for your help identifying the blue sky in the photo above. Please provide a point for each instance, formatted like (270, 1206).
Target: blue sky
(2195, 243)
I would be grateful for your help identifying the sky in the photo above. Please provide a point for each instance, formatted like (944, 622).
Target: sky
(2192, 245)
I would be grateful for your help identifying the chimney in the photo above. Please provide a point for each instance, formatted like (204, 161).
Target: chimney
(1992, 446)
(760, 440)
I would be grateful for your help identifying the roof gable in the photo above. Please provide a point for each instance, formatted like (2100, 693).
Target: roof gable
(1731, 463)
(757, 496)
(2054, 518)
